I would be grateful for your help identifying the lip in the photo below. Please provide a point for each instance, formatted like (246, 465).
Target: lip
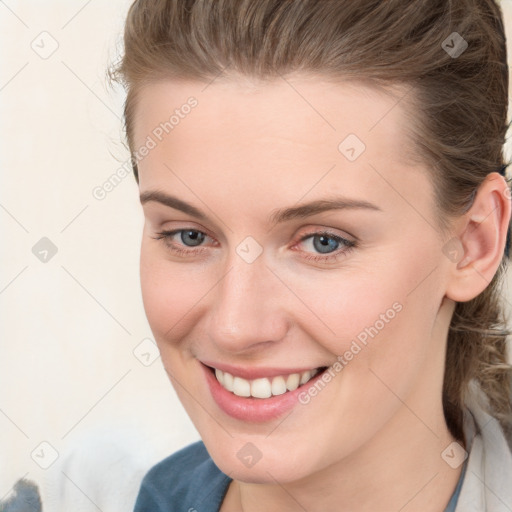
(255, 372)
(250, 409)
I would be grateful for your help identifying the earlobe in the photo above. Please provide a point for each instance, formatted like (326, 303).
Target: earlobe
(482, 233)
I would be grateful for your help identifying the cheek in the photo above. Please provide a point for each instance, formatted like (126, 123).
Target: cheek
(350, 306)
(381, 341)
(169, 292)
(381, 318)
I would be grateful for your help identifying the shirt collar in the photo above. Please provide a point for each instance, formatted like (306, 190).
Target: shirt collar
(487, 485)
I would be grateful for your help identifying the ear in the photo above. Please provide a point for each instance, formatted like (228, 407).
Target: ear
(482, 233)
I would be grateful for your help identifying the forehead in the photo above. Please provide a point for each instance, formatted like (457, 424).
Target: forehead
(289, 132)
(300, 107)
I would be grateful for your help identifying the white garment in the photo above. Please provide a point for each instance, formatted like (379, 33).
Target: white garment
(487, 485)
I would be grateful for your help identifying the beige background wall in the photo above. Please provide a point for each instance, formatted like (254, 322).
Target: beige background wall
(77, 394)
(68, 373)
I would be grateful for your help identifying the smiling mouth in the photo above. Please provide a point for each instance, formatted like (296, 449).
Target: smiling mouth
(264, 387)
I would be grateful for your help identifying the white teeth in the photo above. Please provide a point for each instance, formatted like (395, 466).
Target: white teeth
(263, 387)
(278, 385)
(241, 387)
(228, 381)
(292, 382)
(305, 377)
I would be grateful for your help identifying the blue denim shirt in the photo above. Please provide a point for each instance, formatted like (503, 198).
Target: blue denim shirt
(455, 496)
(189, 481)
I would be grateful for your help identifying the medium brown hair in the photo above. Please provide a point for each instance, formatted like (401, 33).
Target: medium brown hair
(457, 105)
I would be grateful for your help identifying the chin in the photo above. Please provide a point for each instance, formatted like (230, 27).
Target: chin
(250, 465)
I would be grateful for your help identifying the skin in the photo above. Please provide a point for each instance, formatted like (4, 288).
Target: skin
(372, 438)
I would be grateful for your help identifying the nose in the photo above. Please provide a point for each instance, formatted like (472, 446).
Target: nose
(249, 308)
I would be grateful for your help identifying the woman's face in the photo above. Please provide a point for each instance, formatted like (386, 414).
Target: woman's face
(301, 238)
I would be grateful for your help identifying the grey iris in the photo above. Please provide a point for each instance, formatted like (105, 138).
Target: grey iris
(195, 237)
(326, 243)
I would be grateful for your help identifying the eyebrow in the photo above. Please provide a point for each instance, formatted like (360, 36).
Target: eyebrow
(278, 216)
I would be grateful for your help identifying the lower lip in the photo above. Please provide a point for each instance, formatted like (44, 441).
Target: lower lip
(252, 409)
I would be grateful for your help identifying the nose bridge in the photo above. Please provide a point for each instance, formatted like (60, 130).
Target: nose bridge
(246, 308)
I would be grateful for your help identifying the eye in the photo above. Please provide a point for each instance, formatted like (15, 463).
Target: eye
(191, 237)
(188, 240)
(327, 245)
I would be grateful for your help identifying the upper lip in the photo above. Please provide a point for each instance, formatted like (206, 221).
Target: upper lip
(256, 372)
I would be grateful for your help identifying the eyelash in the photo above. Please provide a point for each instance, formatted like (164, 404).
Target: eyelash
(166, 236)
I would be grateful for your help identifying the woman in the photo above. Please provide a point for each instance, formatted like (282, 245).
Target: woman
(326, 217)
